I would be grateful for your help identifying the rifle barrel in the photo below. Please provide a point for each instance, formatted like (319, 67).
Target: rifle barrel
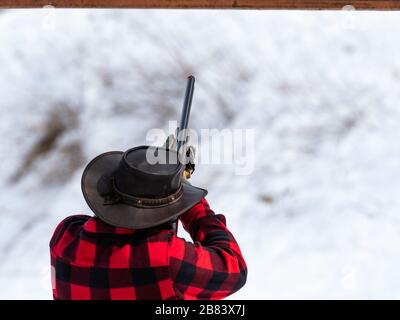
(181, 134)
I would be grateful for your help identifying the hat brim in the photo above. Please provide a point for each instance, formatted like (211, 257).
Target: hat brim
(127, 216)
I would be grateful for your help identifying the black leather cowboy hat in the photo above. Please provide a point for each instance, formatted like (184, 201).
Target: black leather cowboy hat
(125, 190)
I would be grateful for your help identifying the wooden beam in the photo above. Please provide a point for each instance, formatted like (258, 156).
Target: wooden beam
(208, 4)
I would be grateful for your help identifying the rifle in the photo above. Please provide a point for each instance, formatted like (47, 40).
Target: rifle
(182, 137)
(181, 131)
(179, 143)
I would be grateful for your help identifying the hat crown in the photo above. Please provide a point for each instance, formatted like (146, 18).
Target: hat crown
(148, 172)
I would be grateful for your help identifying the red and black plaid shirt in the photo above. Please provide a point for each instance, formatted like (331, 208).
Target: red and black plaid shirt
(93, 260)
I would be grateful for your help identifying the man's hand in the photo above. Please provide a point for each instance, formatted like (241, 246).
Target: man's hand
(189, 168)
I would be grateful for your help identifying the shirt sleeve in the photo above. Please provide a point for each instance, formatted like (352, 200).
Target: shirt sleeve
(60, 240)
(213, 266)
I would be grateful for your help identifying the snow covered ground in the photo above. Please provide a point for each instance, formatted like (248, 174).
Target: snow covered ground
(318, 217)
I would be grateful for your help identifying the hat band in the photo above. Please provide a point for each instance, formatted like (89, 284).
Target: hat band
(147, 202)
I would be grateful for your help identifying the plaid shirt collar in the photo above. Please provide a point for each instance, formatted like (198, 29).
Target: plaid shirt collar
(95, 225)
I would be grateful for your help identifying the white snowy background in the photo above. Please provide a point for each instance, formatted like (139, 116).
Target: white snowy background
(318, 217)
